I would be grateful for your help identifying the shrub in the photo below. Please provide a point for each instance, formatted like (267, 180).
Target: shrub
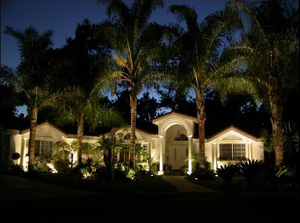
(167, 168)
(203, 174)
(16, 170)
(183, 170)
(61, 165)
(103, 172)
(251, 170)
(15, 156)
(227, 172)
(273, 174)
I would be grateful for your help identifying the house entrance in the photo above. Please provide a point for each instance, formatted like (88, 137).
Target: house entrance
(177, 148)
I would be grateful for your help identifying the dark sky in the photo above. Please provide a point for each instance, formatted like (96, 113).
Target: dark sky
(63, 16)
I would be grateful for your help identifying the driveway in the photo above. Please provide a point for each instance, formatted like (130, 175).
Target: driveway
(183, 185)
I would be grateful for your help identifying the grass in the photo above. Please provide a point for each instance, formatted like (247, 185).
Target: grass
(147, 184)
(238, 184)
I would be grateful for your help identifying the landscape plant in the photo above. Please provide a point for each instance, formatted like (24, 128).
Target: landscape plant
(135, 42)
(227, 172)
(202, 60)
(271, 46)
(32, 77)
(251, 171)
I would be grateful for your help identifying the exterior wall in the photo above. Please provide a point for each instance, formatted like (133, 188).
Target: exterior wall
(15, 144)
(161, 147)
(253, 148)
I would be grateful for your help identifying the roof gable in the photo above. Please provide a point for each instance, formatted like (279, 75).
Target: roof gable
(234, 129)
(48, 124)
(174, 114)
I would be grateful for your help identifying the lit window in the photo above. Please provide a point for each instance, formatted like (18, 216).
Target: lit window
(232, 151)
(43, 148)
(127, 136)
(180, 137)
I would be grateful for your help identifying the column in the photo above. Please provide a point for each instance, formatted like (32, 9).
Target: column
(250, 150)
(190, 154)
(24, 152)
(161, 165)
(214, 155)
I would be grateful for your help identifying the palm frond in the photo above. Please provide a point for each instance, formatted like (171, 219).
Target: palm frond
(248, 18)
(238, 84)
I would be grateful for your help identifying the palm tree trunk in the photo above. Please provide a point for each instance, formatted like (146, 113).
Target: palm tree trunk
(133, 104)
(80, 128)
(33, 123)
(276, 118)
(200, 102)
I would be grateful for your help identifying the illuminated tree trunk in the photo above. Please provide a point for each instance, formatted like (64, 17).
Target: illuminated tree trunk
(80, 128)
(200, 102)
(133, 104)
(33, 123)
(276, 118)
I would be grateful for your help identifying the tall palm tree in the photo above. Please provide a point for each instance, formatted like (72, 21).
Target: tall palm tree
(32, 77)
(135, 43)
(81, 101)
(273, 52)
(202, 67)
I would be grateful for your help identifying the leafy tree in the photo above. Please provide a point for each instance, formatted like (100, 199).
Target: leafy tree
(136, 44)
(199, 64)
(81, 101)
(272, 45)
(32, 77)
(9, 117)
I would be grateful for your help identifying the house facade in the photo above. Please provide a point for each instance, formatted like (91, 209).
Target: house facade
(174, 143)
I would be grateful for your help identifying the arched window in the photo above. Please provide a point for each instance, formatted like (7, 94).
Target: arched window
(127, 136)
(180, 137)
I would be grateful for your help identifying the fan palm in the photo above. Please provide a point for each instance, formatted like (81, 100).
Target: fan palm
(201, 66)
(273, 51)
(32, 76)
(135, 43)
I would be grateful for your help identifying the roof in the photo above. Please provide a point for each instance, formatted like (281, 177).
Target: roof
(232, 128)
(128, 127)
(44, 123)
(174, 113)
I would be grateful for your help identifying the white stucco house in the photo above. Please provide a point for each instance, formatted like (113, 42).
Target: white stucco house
(173, 144)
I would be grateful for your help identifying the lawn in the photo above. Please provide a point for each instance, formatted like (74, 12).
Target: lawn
(238, 184)
(147, 184)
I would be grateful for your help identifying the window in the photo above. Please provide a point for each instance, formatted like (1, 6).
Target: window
(180, 137)
(43, 148)
(127, 136)
(232, 151)
(239, 151)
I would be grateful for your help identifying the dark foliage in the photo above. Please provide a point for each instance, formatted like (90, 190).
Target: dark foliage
(251, 170)
(227, 172)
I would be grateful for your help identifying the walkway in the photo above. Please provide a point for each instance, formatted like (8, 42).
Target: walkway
(183, 185)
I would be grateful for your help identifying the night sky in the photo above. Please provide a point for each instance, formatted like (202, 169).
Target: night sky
(63, 16)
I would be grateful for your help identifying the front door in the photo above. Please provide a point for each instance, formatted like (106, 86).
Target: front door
(177, 156)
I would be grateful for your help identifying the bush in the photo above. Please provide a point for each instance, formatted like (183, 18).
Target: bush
(251, 170)
(203, 174)
(15, 156)
(103, 172)
(167, 168)
(183, 170)
(227, 172)
(61, 165)
(16, 170)
(273, 174)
